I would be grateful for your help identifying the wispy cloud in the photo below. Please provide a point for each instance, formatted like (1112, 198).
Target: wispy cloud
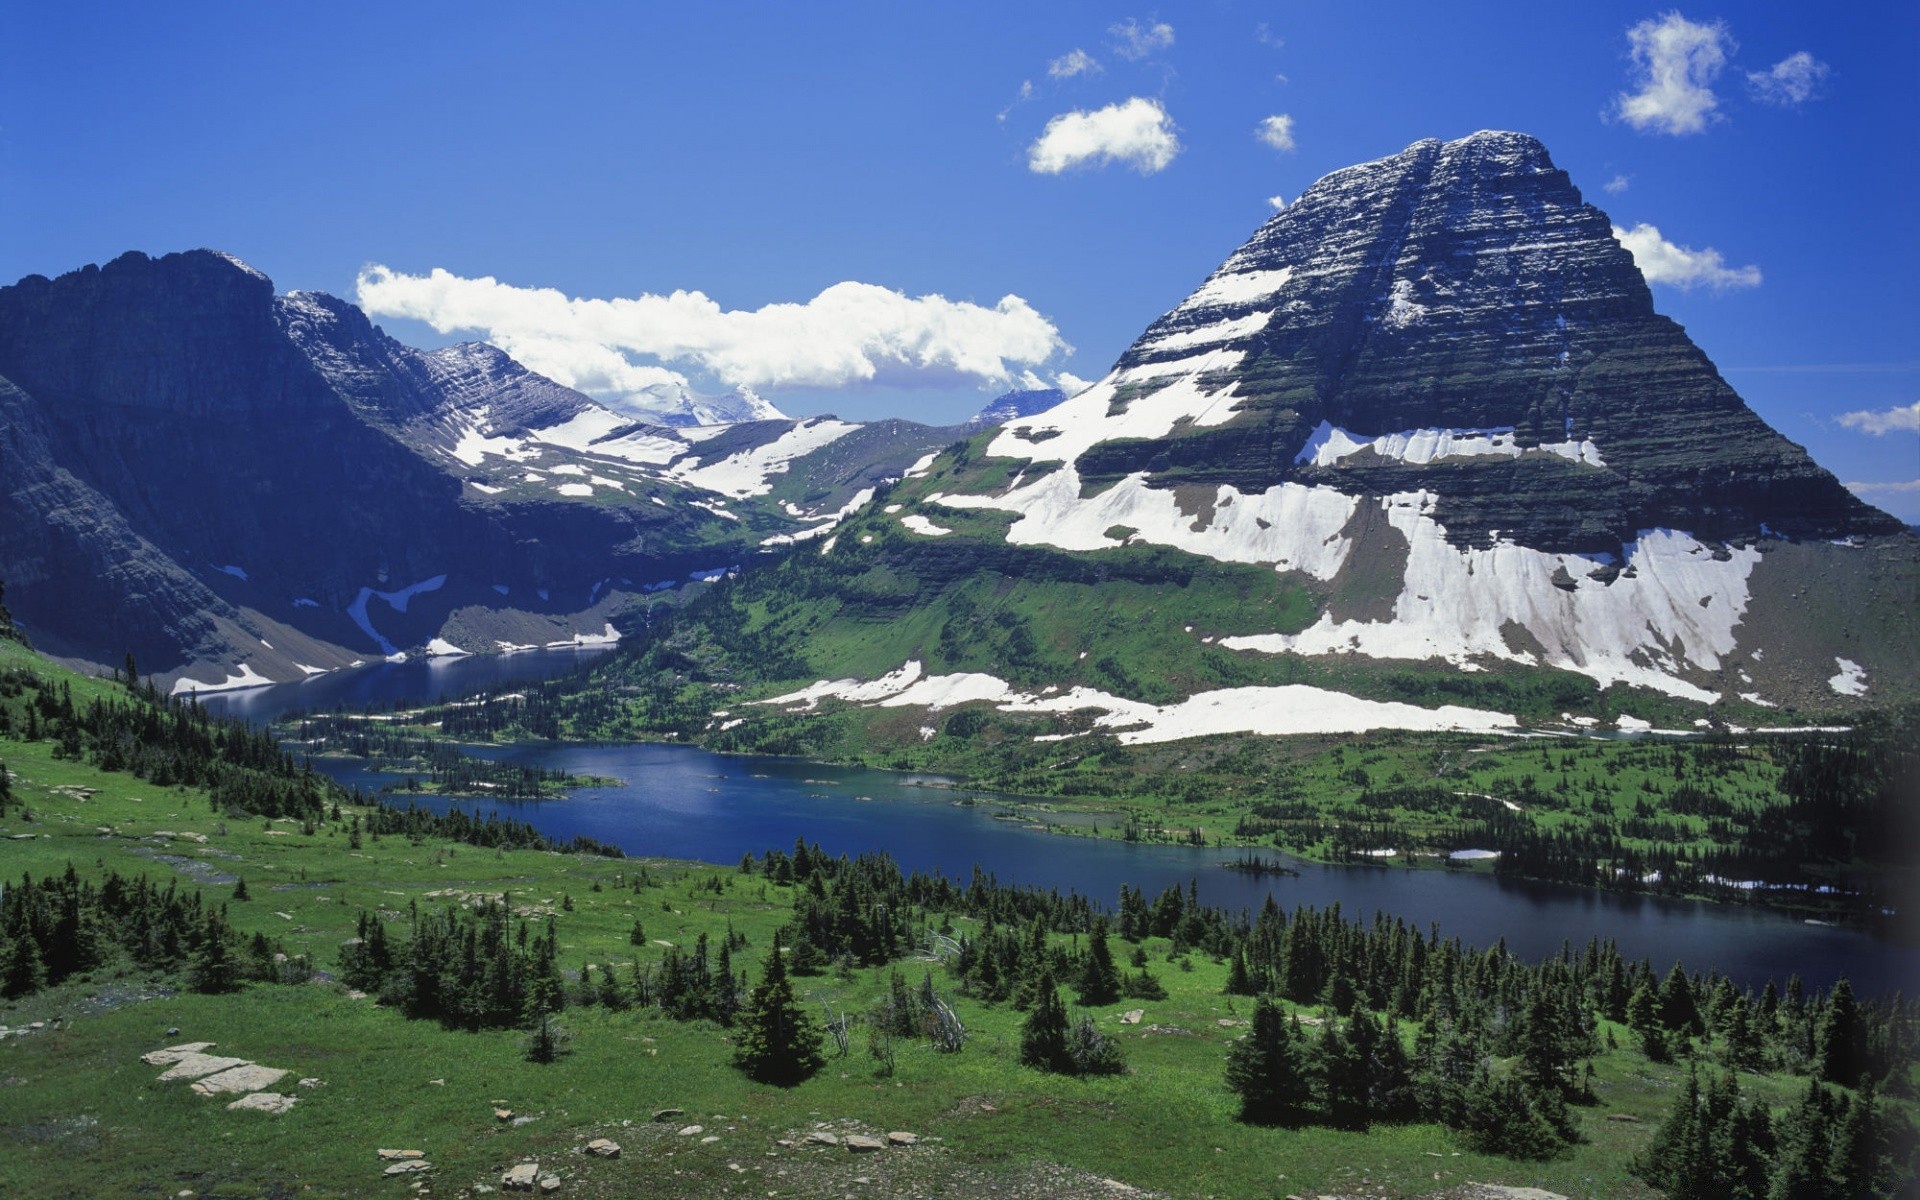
(625, 348)
(1896, 487)
(1276, 131)
(1675, 62)
(1074, 62)
(1020, 97)
(1662, 261)
(1137, 132)
(1278, 202)
(1884, 421)
(1618, 184)
(1134, 39)
(1789, 83)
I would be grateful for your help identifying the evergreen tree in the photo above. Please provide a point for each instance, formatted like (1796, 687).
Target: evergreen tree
(214, 968)
(1043, 1037)
(1092, 1052)
(778, 1044)
(1679, 1012)
(1643, 1017)
(1805, 1151)
(22, 970)
(1266, 1069)
(1239, 981)
(1341, 1067)
(1099, 981)
(1836, 1039)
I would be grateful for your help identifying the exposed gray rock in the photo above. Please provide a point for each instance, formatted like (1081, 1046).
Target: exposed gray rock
(246, 1077)
(195, 1065)
(266, 1102)
(521, 1177)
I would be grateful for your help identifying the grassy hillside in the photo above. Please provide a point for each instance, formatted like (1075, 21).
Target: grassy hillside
(82, 1116)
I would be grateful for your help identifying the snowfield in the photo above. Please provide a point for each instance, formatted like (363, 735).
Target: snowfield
(1852, 679)
(1289, 709)
(916, 523)
(750, 472)
(1674, 606)
(246, 677)
(1329, 443)
(1295, 527)
(1065, 431)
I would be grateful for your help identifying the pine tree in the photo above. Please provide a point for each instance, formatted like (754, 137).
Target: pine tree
(1043, 1037)
(1643, 1017)
(1266, 1069)
(1804, 1150)
(213, 969)
(1239, 982)
(1836, 1039)
(1341, 1066)
(1679, 1012)
(1099, 981)
(21, 968)
(778, 1044)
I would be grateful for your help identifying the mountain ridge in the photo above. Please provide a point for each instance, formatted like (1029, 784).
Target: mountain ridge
(1423, 436)
(225, 482)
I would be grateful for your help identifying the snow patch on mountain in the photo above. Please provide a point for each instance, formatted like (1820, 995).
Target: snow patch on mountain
(1293, 526)
(1852, 679)
(1228, 287)
(1208, 335)
(1328, 444)
(1289, 709)
(916, 523)
(750, 472)
(832, 520)
(1673, 607)
(1063, 433)
(245, 677)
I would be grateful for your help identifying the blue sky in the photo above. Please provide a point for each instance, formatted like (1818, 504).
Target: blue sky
(775, 154)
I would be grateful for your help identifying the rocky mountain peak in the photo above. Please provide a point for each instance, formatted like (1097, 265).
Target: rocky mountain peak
(1454, 290)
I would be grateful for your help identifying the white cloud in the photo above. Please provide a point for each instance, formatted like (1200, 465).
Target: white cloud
(1891, 420)
(850, 333)
(1134, 40)
(1790, 82)
(1021, 97)
(1618, 184)
(1075, 62)
(1902, 485)
(1661, 261)
(1276, 131)
(1675, 63)
(1136, 131)
(1070, 383)
(1278, 202)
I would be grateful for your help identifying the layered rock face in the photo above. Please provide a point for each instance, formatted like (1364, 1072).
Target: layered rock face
(1466, 286)
(1435, 387)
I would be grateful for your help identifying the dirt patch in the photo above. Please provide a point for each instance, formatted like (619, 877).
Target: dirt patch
(1197, 501)
(1375, 571)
